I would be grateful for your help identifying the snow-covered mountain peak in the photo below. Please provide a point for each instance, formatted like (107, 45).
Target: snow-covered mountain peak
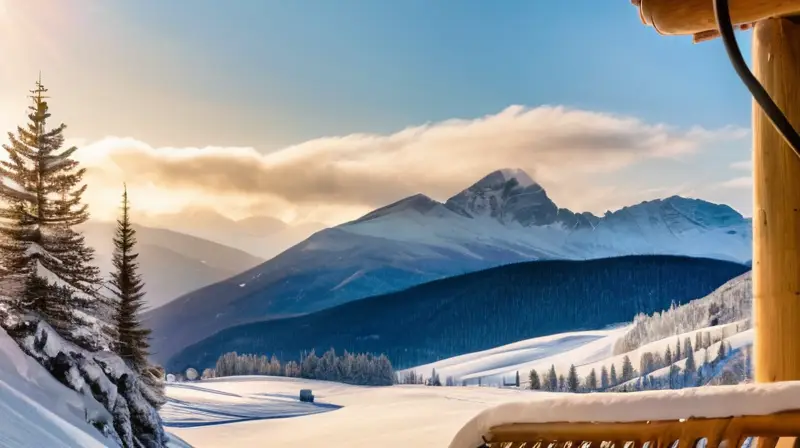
(521, 176)
(680, 212)
(508, 196)
(419, 203)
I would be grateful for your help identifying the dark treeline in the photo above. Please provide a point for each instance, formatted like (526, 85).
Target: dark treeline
(362, 369)
(480, 310)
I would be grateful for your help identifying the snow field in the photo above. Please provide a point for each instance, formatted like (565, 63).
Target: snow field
(398, 416)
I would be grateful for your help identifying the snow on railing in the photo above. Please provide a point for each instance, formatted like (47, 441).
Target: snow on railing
(722, 412)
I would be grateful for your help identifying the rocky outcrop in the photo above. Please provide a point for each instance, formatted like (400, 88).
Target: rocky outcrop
(131, 420)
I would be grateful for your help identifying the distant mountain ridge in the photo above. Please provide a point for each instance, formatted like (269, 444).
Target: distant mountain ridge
(171, 263)
(479, 310)
(503, 218)
(263, 236)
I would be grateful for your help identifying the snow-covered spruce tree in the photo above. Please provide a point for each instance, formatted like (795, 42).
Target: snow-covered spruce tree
(45, 259)
(573, 382)
(533, 380)
(604, 381)
(591, 381)
(59, 318)
(130, 336)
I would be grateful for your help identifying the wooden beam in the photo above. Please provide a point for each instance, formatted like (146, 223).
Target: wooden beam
(776, 211)
(696, 17)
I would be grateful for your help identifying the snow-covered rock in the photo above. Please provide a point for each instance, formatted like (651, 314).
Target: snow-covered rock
(113, 396)
(36, 410)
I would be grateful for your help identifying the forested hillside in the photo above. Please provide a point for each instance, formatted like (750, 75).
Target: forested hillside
(477, 311)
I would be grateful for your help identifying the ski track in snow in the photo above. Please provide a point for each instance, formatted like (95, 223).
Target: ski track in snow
(192, 405)
(247, 410)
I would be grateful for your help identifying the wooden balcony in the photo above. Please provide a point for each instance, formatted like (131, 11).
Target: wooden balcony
(706, 417)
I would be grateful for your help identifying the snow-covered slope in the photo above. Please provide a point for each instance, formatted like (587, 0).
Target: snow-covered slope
(722, 315)
(38, 411)
(396, 416)
(731, 302)
(500, 364)
(504, 218)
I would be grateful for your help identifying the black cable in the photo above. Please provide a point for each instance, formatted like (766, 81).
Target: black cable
(773, 112)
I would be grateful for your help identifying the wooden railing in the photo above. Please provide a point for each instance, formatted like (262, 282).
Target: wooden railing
(692, 433)
(719, 416)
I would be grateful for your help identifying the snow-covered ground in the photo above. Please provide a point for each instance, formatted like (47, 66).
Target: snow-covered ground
(249, 411)
(36, 410)
(398, 416)
(501, 363)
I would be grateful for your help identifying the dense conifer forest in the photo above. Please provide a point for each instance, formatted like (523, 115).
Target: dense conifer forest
(477, 311)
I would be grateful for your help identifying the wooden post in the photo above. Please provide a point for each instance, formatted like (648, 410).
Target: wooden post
(776, 211)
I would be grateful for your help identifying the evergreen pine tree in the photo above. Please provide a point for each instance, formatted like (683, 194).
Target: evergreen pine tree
(552, 379)
(517, 379)
(46, 261)
(604, 378)
(627, 369)
(691, 367)
(668, 356)
(613, 375)
(534, 380)
(562, 383)
(678, 353)
(591, 381)
(572, 379)
(130, 337)
(127, 286)
(687, 346)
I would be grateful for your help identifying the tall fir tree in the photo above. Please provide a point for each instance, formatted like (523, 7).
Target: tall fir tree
(535, 384)
(604, 381)
(130, 337)
(613, 378)
(627, 369)
(573, 382)
(45, 258)
(552, 379)
(591, 381)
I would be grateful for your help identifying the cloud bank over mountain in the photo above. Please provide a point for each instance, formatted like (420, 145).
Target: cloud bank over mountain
(333, 179)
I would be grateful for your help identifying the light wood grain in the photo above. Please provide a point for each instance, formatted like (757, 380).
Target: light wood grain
(696, 17)
(776, 210)
(660, 434)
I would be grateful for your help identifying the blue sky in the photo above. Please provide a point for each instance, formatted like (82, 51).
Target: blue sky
(333, 67)
(267, 74)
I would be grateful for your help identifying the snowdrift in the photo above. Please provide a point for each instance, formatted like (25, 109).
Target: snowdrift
(103, 400)
(38, 411)
(704, 402)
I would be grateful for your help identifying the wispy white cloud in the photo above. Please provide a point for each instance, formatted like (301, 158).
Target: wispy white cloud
(743, 165)
(737, 182)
